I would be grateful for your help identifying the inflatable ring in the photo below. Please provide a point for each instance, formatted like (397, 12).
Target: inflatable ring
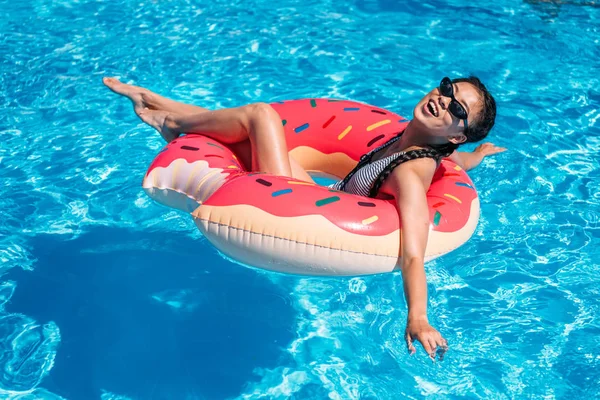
(283, 224)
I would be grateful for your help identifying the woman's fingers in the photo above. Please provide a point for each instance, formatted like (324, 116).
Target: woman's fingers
(442, 347)
(433, 345)
(489, 149)
(409, 344)
(432, 341)
(495, 150)
(425, 342)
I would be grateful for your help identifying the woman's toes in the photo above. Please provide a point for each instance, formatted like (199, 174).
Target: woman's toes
(112, 83)
(121, 88)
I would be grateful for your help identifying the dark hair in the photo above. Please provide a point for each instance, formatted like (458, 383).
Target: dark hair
(481, 125)
(478, 129)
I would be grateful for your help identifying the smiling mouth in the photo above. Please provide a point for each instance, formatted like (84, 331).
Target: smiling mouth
(432, 107)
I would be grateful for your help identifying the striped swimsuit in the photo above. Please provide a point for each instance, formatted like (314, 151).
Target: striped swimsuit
(361, 182)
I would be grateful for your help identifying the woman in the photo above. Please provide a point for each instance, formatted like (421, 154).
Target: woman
(456, 112)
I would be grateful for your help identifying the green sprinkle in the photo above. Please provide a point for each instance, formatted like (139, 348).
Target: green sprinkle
(313, 103)
(323, 202)
(436, 218)
(284, 122)
(215, 145)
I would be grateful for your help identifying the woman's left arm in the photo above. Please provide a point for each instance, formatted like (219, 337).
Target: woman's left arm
(409, 183)
(469, 160)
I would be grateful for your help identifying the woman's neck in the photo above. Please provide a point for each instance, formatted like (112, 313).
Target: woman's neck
(412, 137)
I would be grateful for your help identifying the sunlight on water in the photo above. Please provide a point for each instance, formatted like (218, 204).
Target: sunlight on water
(138, 306)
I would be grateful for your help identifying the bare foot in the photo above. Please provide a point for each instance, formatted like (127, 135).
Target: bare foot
(160, 120)
(141, 98)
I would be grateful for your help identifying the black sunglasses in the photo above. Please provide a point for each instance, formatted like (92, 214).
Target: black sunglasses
(455, 108)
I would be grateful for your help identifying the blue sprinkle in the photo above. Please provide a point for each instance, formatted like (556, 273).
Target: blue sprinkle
(403, 120)
(351, 109)
(280, 102)
(280, 192)
(301, 128)
(464, 184)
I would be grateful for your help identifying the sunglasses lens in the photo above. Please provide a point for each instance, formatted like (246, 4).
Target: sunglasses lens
(446, 87)
(457, 110)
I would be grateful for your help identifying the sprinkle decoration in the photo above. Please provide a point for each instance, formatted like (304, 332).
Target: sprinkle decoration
(464, 185)
(215, 145)
(375, 139)
(329, 121)
(453, 198)
(263, 182)
(325, 201)
(300, 183)
(366, 204)
(284, 122)
(350, 109)
(301, 128)
(436, 218)
(313, 103)
(345, 132)
(189, 148)
(378, 124)
(281, 192)
(370, 220)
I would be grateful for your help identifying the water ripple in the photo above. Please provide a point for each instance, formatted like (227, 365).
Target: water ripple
(518, 303)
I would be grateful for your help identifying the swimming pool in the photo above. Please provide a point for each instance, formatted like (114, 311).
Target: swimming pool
(106, 294)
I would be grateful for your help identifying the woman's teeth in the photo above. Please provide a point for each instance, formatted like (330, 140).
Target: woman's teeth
(432, 108)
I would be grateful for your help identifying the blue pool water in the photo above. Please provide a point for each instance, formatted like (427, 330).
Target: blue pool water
(107, 295)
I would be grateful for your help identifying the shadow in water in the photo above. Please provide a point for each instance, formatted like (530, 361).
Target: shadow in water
(148, 318)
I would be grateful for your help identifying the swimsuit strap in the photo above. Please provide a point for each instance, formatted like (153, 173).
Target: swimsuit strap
(402, 158)
(366, 159)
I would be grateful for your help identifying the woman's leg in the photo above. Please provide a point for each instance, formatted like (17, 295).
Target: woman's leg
(259, 123)
(254, 132)
(149, 99)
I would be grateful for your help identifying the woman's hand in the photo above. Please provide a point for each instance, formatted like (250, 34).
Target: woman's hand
(469, 160)
(487, 149)
(432, 341)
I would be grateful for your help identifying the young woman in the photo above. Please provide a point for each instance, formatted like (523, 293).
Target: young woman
(458, 111)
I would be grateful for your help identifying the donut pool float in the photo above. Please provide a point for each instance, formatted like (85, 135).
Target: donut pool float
(287, 225)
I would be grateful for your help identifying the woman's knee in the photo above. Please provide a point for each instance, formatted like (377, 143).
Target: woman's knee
(262, 120)
(261, 111)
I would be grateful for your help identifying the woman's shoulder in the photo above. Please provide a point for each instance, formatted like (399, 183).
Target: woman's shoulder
(422, 169)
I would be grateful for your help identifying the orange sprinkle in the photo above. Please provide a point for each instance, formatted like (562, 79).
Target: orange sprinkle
(300, 183)
(453, 198)
(345, 132)
(456, 167)
(378, 124)
(370, 220)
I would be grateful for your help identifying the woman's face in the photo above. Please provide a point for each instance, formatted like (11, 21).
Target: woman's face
(432, 115)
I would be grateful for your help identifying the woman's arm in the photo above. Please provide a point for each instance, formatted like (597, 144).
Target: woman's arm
(409, 183)
(469, 160)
